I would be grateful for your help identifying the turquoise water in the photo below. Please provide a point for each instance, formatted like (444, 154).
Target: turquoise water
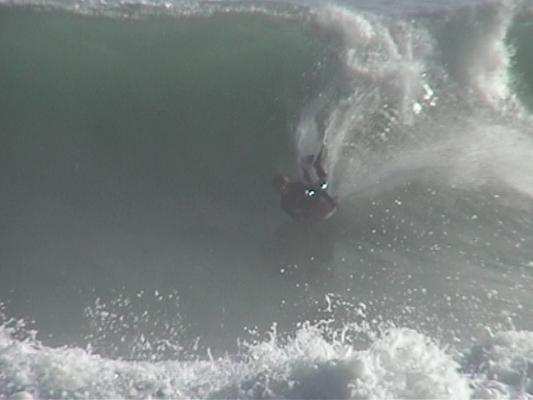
(143, 252)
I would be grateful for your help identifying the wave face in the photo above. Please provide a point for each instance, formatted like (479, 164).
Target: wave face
(143, 251)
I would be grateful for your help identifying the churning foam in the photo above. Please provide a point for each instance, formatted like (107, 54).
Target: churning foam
(399, 363)
(404, 111)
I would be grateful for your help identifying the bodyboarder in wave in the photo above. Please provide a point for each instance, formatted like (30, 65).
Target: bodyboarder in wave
(307, 199)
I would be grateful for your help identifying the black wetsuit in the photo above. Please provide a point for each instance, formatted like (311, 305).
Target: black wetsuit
(306, 202)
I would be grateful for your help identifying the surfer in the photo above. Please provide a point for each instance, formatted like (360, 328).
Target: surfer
(307, 199)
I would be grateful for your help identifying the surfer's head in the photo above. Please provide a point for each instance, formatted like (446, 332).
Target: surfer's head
(281, 183)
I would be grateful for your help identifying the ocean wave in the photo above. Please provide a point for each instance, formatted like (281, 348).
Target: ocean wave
(138, 152)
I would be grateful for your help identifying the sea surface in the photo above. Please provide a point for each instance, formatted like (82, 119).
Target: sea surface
(143, 251)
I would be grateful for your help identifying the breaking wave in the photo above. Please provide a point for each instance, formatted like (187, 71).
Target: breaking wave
(426, 119)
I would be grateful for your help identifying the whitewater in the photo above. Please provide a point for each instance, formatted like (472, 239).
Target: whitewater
(143, 252)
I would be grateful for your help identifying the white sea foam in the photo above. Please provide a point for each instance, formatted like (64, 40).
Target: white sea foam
(405, 112)
(383, 84)
(399, 363)
(502, 366)
(482, 60)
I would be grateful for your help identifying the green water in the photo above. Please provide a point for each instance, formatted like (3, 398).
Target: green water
(120, 135)
(154, 101)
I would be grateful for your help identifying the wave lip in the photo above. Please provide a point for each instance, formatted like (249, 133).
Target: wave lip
(134, 9)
